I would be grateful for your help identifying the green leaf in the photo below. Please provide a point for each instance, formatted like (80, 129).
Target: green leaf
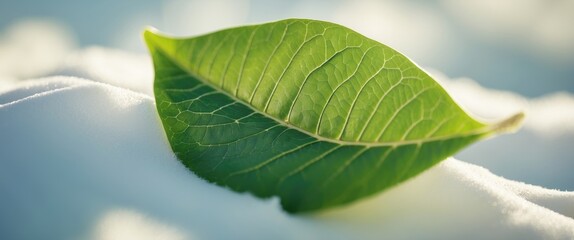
(309, 111)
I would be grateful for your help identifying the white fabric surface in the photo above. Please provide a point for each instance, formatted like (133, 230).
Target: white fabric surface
(80, 159)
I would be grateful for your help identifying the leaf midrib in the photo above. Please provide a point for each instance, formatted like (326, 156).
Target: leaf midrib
(480, 131)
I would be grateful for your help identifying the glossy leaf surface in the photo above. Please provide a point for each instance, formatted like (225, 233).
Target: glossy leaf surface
(306, 110)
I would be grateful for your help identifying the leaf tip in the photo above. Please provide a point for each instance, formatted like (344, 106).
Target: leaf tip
(509, 125)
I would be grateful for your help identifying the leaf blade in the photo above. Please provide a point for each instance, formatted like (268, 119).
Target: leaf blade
(305, 115)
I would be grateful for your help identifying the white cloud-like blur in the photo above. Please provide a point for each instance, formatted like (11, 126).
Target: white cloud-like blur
(126, 224)
(550, 115)
(33, 47)
(183, 18)
(540, 26)
(415, 30)
(123, 69)
(195, 17)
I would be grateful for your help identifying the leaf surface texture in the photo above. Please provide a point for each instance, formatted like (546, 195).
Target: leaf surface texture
(309, 111)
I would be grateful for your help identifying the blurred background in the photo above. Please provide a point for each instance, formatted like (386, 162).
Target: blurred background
(496, 56)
